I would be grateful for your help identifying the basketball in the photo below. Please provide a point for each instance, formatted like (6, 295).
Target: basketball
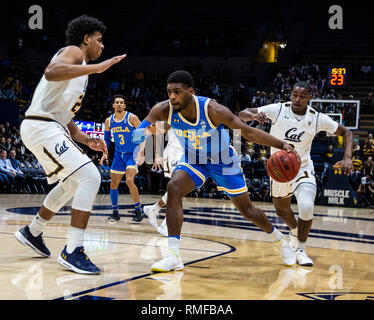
(283, 166)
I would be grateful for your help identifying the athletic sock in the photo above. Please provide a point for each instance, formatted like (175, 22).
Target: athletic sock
(301, 245)
(75, 239)
(276, 235)
(173, 243)
(37, 225)
(294, 232)
(114, 198)
(137, 205)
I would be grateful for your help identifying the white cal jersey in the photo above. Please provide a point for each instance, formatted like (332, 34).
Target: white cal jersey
(58, 100)
(298, 131)
(173, 143)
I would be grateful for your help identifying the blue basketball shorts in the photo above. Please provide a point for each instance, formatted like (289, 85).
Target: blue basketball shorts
(122, 161)
(228, 178)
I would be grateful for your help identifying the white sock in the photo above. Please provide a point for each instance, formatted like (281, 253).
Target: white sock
(301, 245)
(75, 239)
(37, 225)
(276, 235)
(173, 244)
(294, 232)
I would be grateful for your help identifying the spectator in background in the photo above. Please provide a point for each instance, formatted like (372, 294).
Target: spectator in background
(356, 146)
(16, 177)
(106, 165)
(262, 155)
(363, 191)
(327, 161)
(357, 163)
(369, 148)
(369, 167)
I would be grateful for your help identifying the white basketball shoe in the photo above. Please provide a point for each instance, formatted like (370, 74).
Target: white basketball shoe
(286, 253)
(303, 259)
(171, 262)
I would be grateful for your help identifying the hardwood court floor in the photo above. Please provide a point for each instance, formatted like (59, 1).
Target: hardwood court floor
(225, 256)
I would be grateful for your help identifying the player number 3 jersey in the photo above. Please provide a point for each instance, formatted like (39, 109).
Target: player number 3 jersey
(297, 130)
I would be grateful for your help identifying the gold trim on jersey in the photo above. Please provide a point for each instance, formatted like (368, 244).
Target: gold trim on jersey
(233, 191)
(207, 114)
(121, 119)
(197, 114)
(201, 176)
(170, 113)
(59, 165)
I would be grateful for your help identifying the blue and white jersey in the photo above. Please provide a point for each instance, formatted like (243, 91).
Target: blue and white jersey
(122, 132)
(202, 141)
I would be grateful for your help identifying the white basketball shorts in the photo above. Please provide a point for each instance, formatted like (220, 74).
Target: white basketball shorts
(52, 145)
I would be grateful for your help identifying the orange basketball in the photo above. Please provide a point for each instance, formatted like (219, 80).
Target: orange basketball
(283, 166)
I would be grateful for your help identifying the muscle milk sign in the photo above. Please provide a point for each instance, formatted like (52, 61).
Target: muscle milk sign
(337, 191)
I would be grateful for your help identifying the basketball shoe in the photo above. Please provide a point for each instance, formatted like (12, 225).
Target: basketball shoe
(151, 212)
(114, 217)
(139, 215)
(286, 252)
(171, 262)
(36, 243)
(77, 261)
(303, 259)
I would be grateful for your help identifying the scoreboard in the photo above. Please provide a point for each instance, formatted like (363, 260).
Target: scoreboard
(93, 129)
(337, 76)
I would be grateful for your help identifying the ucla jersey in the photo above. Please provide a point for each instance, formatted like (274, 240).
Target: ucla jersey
(202, 140)
(122, 131)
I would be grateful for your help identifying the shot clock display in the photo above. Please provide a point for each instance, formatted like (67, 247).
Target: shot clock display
(337, 76)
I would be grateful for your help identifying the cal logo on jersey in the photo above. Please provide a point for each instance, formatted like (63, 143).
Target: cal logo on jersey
(293, 135)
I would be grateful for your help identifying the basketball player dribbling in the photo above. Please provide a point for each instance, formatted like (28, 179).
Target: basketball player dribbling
(297, 123)
(170, 158)
(49, 131)
(198, 123)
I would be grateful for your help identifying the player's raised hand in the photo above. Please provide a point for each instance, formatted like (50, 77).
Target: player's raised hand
(104, 157)
(157, 164)
(97, 145)
(345, 165)
(102, 66)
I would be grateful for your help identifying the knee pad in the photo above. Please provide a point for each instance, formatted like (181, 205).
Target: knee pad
(305, 196)
(88, 181)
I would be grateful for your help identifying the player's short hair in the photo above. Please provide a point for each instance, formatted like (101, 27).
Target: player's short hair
(80, 26)
(181, 76)
(119, 96)
(303, 84)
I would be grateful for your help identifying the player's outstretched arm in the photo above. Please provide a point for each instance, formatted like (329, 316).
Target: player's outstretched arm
(221, 114)
(68, 65)
(346, 164)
